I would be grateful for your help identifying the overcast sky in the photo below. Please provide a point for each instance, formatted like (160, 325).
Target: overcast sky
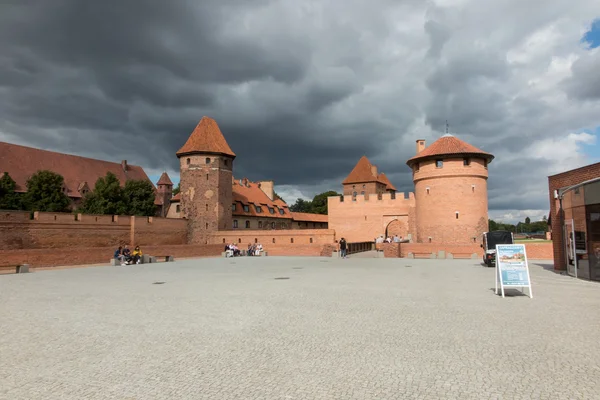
(303, 88)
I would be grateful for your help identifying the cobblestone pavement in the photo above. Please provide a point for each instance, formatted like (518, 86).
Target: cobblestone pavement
(336, 329)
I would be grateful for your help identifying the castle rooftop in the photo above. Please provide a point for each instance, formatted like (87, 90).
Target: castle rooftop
(449, 145)
(206, 138)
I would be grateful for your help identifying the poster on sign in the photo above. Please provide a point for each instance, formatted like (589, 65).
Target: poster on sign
(512, 270)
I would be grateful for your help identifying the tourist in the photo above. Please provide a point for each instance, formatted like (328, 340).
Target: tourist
(137, 255)
(119, 256)
(397, 239)
(343, 247)
(127, 255)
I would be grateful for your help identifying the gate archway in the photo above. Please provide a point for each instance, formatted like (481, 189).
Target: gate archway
(396, 227)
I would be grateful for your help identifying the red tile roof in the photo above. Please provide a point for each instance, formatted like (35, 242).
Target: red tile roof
(250, 194)
(308, 217)
(21, 162)
(164, 180)
(383, 178)
(449, 145)
(177, 197)
(206, 138)
(362, 172)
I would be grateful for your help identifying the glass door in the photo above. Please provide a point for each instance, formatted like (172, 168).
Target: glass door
(569, 235)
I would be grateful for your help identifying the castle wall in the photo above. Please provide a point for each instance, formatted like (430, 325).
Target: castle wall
(442, 192)
(367, 217)
(367, 188)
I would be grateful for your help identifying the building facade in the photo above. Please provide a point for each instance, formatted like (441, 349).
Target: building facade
(575, 221)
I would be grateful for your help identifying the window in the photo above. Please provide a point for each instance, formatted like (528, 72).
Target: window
(439, 163)
(255, 240)
(239, 240)
(466, 162)
(311, 240)
(207, 207)
(363, 192)
(473, 188)
(259, 224)
(247, 224)
(281, 211)
(178, 208)
(273, 240)
(235, 224)
(272, 225)
(353, 186)
(207, 225)
(292, 240)
(271, 210)
(208, 160)
(456, 213)
(226, 162)
(314, 225)
(206, 176)
(223, 240)
(258, 208)
(233, 207)
(417, 165)
(364, 186)
(188, 161)
(246, 208)
(576, 190)
(485, 163)
(427, 190)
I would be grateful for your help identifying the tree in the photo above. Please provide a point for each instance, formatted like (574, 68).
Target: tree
(276, 196)
(177, 189)
(9, 200)
(138, 197)
(45, 193)
(545, 219)
(318, 205)
(301, 206)
(527, 220)
(106, 198)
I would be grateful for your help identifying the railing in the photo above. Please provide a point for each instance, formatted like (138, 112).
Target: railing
(360, 247)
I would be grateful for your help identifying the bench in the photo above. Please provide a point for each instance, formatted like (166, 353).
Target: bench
(166, 257)
(19, 269)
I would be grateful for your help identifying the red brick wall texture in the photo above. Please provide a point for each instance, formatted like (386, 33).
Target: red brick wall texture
(535, 251)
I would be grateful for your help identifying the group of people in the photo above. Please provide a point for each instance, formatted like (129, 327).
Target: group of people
(232, 250)
(127, 257)
(395, 239)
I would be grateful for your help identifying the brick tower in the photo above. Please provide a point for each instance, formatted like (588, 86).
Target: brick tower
(206, 168)
(450, 178)
(164, 193)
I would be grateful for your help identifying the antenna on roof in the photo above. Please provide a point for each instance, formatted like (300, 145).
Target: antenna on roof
(447, 127)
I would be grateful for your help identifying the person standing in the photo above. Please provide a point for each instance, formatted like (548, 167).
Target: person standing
(343, 247)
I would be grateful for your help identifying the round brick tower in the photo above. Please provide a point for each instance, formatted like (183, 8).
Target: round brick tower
(450, 178)
(206, 168)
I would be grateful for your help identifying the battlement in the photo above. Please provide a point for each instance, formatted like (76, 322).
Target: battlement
(398, 198)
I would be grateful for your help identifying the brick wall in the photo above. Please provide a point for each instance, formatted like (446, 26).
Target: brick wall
(535, 251)
(556, 182)
(95, 255)
(367, 218)
(159, 231)
(290, 237)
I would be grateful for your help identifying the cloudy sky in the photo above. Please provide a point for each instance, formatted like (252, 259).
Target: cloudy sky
(303, 88)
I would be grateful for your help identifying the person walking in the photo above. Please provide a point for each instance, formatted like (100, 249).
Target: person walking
(343, 247)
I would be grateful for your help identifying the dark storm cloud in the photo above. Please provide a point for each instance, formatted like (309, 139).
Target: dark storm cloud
(301, 90)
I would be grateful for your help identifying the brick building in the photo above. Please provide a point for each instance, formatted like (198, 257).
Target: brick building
(80, 173)
(575, 221)
(449, 206)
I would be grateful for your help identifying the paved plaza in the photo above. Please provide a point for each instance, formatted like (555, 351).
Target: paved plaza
(296, 328)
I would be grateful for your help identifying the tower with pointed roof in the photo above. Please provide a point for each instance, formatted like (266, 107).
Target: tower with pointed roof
(450, 178)
(364, 180)
(164, 192)
(206, 168)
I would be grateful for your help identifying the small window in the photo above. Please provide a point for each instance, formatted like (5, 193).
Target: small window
(273, 240)
(239, 240)
(188, 161)
(439, 163)
(429, 239)
(207, 225)
(292, 240)
(207, 207)
(258, 208)
(417, 165)
(364, 186)
(311, 240)
(473, 188)
(223, 240)
(281, 211)
(353, 186)
(255, 240)
(466, 162)
(208, 160)
(272, 225)
(233, 207)
(246, 208)
(226, 162)
(178, 208)
(206, 176)
(271, 210)
(427, 189)
(247, 224)
(362, 192)
(235, 223)
(456, 213)
(259, 224)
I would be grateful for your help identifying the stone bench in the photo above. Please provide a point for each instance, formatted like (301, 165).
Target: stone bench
(166, 258)
(19, 269)
(424, 255)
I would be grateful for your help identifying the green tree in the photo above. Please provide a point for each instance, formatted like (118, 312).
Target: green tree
(106, 198)
(177, 189)
(319, 202)
(493, 225)
(45, 193)
(139, 196)
(9, 200)
(301, 206)
(527, 220)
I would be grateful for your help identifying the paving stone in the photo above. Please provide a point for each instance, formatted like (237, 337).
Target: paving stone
(346, 329)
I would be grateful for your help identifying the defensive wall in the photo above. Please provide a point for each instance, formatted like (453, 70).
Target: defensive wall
(535, 251)
(366, 217)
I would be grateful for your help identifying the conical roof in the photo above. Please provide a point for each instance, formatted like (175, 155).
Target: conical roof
(384, 179)
(449, 145)
(206, 138)
(362, 172)
(164, 180)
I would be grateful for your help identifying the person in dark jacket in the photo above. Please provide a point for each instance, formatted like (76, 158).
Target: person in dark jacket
(343, 247)
(119, 255)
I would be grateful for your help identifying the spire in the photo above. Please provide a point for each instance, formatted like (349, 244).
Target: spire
(206, 138)
(164, 179)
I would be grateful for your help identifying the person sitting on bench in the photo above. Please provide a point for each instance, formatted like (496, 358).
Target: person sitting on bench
(137, 255)
(127, 255)
(118, 256)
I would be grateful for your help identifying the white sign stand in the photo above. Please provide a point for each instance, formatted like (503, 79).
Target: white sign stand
(512, 268)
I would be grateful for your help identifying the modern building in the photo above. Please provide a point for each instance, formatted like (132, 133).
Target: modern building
(575, 221)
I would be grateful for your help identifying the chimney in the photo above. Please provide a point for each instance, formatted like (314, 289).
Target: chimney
(420, 145)
(268, 188)
(374, 170)
(124, 165)
(246, 182)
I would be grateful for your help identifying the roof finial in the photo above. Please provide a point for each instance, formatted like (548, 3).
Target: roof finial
(447, 127)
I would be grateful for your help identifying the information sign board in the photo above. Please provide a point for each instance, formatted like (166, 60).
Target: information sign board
(512, 269)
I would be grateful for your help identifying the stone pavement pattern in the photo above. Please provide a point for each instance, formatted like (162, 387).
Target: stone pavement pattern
(336, 329)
